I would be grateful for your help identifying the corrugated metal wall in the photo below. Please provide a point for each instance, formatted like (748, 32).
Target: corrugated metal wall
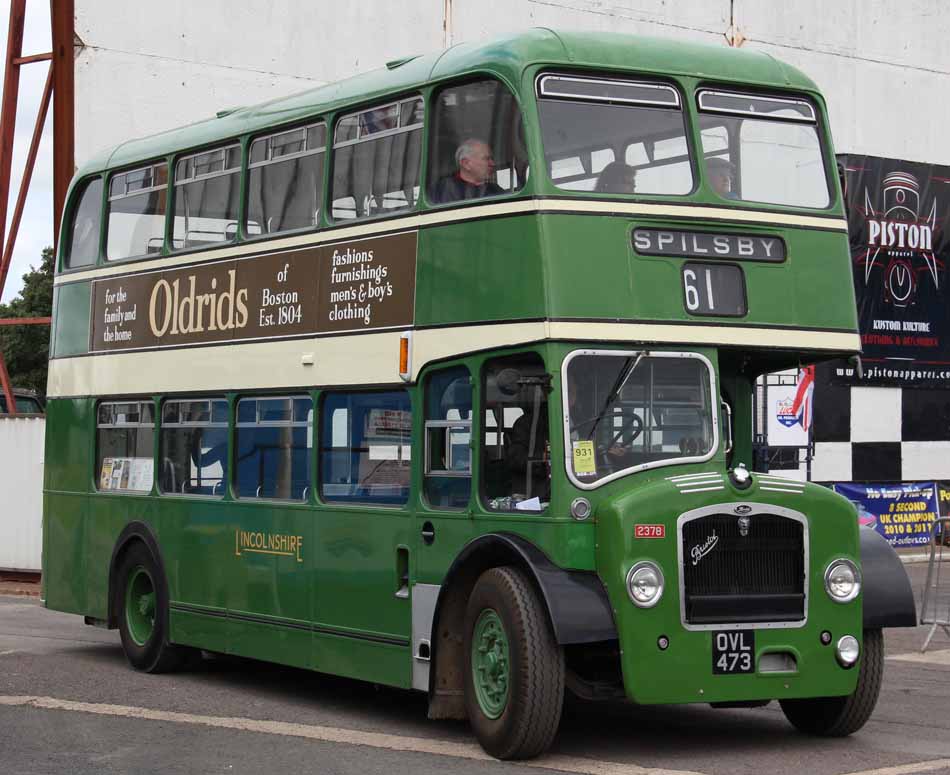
(21, 492)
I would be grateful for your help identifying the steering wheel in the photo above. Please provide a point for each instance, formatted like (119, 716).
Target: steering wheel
(610, 461)
(633, 422)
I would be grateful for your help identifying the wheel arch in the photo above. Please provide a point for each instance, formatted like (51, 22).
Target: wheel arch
(132, 533)
(887, 592)
(576, 601)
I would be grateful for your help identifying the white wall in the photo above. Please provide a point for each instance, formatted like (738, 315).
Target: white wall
(21, 492)
(883, 64)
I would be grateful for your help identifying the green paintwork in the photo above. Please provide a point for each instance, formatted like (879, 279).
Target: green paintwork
(140, 606)
(70, 334)
(490, 663)
(336, 607)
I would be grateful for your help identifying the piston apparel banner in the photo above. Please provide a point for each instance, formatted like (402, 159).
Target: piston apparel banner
(899, 227)
(903, 513)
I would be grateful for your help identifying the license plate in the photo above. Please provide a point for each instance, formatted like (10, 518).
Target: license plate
(733, 652)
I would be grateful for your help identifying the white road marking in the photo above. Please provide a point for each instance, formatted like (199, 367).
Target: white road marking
(4, 653)
(907, 769)
(338, 735)
(941, 657)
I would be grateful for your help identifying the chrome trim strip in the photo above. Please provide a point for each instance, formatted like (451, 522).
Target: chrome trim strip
(762, 116)
(542, 79)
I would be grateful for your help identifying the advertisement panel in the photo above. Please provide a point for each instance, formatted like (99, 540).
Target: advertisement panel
(898, 221)
(903, 513)
(353, 286)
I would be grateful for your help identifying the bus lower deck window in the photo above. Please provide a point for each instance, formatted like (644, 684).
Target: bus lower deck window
(273, 448)
(194, 447)
(365, 443)
(125, 435)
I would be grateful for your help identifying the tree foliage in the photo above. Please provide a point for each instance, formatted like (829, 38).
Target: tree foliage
(26, 348)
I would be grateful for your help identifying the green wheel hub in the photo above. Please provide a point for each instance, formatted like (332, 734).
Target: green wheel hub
(140, 606)
(491, 663)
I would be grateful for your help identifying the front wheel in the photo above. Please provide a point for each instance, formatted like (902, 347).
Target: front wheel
(840, 716)
(514, 671)
(142, 604)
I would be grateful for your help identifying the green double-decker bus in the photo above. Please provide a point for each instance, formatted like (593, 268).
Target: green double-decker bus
(442, 377)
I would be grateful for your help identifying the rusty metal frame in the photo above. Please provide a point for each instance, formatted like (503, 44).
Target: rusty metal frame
(59, 90)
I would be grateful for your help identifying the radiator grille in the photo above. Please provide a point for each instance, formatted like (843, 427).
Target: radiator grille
(731, 578)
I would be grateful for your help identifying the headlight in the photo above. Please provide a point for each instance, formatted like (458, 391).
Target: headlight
(645, 584)
(842, 581)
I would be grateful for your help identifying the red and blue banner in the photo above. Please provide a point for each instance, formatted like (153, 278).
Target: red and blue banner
(903, 513)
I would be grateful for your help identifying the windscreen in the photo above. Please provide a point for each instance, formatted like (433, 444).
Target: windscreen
(626, 410)
(614, 136)
(762, 149)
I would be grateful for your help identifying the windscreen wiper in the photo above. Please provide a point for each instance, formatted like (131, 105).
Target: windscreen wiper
(628, 368)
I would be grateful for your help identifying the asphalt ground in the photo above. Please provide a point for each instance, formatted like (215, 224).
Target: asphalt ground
(70, 703)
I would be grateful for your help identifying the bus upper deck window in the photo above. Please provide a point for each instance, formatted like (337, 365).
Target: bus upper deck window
(285, 180)
(477, 146)
(84, 229)
(136, 220)
(376, 158)
(762, 149)
(614, 136)
(207, 193)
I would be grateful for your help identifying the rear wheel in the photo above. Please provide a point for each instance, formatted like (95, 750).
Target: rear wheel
(142, 603)
(840, 716)
(514, 671)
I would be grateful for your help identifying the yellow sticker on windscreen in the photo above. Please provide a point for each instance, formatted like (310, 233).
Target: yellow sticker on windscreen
(584, 464)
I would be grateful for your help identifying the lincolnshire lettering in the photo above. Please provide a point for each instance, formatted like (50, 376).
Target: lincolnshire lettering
(269, 543)
(170, 312)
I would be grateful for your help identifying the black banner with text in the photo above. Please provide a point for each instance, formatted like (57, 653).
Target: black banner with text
(898, 222)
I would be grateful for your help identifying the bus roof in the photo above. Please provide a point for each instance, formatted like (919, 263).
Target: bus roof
(507, 57)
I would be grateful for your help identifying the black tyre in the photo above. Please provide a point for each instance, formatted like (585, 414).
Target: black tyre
(840, 716)
(514, 668)
(142, 606)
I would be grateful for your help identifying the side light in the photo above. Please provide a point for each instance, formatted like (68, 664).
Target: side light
(645, 584)
(580, 509)
(847, 651)
(842, 581)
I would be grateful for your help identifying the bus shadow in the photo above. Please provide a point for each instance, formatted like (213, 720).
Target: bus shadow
(682, 736)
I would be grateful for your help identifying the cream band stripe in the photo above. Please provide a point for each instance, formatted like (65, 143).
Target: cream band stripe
(372, 358)
(409, 223)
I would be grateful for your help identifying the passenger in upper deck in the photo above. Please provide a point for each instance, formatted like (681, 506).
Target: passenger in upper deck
(721, 176)
(617, 178)
(473, 178)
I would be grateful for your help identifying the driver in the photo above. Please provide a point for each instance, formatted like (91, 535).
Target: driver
(611, 443)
